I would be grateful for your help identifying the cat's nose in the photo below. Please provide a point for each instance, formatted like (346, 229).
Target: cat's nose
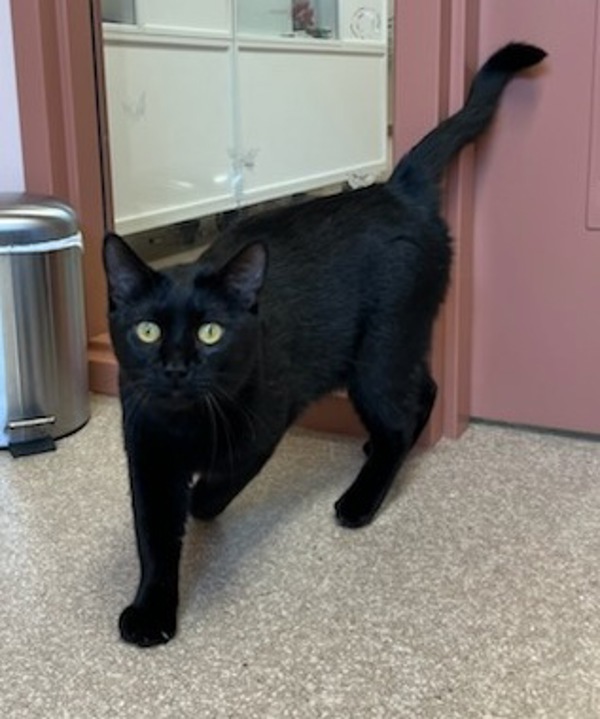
(176, 370)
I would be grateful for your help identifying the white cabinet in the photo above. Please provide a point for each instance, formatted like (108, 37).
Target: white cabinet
(217, 105)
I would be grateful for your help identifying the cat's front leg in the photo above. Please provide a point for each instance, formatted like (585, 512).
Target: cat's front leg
(159, 490)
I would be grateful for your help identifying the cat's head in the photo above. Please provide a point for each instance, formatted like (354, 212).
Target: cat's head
(187, 332)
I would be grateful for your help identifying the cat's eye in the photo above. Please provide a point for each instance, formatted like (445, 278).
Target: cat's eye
(148, 332)
(210, 333)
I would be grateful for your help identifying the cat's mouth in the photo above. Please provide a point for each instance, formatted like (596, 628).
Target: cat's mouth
(175, 398)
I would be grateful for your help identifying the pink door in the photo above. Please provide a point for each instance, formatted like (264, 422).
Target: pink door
(536, 344)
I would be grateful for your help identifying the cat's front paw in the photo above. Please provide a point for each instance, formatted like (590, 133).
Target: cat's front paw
(146, 627)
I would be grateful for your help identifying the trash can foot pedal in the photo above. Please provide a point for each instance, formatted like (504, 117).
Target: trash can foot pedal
(32, 446)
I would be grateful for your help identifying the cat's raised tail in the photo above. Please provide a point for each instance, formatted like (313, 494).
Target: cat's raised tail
(430, 156)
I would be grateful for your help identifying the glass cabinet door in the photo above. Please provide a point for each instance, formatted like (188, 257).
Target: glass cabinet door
(214, 105)
(193, 15)
(288, 18)
(309, 119)
(170, 126)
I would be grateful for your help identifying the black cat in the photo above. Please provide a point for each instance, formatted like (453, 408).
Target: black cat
(218, 358)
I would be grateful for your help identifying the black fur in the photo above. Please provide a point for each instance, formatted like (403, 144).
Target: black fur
(337, 292)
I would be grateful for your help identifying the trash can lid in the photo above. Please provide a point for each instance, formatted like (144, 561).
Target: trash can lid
(30, 223)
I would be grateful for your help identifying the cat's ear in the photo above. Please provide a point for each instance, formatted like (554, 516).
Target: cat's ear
(127, 275)
(243, 276)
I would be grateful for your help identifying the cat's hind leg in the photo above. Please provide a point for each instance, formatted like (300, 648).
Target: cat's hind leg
(213, 492)
(395, 411)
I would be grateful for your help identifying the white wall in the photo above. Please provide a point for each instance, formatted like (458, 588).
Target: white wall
(11, 160)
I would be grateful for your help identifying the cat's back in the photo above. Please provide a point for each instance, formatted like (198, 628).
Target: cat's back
(332, 259)
(335, 266)
(336, 238)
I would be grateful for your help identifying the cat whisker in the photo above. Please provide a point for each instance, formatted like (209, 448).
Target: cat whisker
(245, 412)
(134, 405)
(208, 401)
(220, 412)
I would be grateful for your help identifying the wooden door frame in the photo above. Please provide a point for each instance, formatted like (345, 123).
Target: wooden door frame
(436, 54)
(60, 85)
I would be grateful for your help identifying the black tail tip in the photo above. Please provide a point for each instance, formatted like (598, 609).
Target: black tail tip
(514, 57)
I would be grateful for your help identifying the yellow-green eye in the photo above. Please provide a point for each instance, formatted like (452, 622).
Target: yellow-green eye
(148, 332)
(210, 333)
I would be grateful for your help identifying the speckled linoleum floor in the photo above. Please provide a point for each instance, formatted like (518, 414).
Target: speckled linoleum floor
(476, 593)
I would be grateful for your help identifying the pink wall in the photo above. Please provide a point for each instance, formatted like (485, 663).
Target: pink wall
(536, 344)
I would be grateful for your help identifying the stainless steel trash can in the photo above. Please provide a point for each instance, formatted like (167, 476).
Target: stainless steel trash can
(43, 365)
